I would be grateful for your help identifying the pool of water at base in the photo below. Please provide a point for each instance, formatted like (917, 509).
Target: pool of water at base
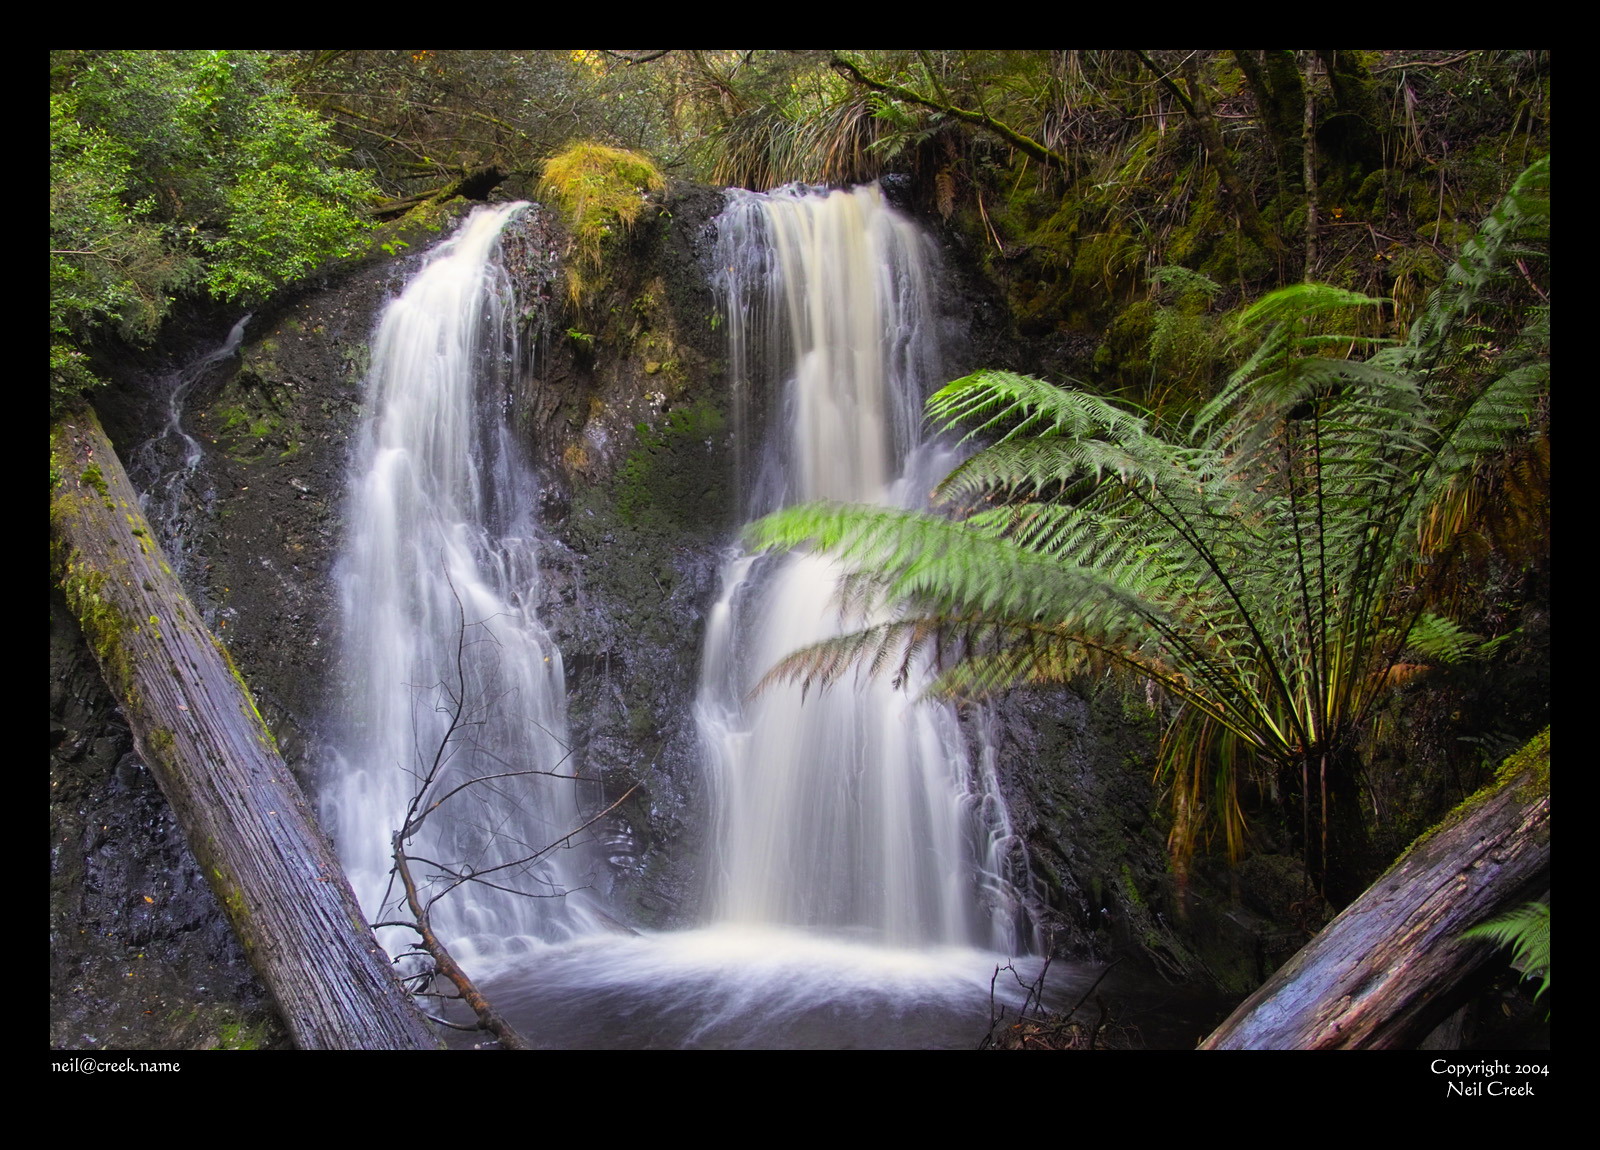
(776, 989)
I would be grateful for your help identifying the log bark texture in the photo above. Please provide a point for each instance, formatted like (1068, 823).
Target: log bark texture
(1383, 973)
(197, 728)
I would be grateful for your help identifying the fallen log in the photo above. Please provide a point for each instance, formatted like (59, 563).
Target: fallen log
(197, 728)
(1383, 973)
(473, 185)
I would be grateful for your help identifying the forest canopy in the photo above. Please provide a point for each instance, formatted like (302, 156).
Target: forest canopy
(181, 170)
(1123, 196)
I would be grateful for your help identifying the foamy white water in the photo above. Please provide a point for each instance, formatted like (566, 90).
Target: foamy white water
(444, 660)
(757, 988)
(861, 807)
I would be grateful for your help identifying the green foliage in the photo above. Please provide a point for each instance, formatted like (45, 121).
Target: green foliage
(1186, 340)
(109, 263)
(1527, 931)
(173, 169)
(823, 132)
(1443, 640)
(421, 118)
(1263, 563)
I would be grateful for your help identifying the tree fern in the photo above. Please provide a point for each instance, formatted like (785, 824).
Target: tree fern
(1262, 562)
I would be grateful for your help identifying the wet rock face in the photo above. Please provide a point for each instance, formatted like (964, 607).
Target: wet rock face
(1077, 776)
(639, 502)
(1079, 795)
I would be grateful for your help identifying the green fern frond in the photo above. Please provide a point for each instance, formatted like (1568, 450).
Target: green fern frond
(823, 663)
(1524, 210)
(1015, 405)
(1442, 640)
(1287, 311)
(1185, 284)
(1527, 931)
(1287, 331)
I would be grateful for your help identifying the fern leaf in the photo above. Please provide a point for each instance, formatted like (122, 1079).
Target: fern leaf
(1439, 639)
(1527, 931)
(1525, 207)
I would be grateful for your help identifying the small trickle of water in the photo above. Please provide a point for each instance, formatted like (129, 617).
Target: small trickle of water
(166, 468)
(448, 674)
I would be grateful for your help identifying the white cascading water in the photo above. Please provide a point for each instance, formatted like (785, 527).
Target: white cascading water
(855, 810)
(856, 845)
(441, 648)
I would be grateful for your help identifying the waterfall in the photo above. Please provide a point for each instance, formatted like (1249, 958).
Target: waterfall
(859, 899)
(443, 659)
(857, 810)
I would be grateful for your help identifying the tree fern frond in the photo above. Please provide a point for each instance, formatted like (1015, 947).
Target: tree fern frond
(1015, 405)
(1442, 640)
(1284, 330)
(1527, 931)
(1298, 303)
(1525, 208)
(823, 663)
(927, 559)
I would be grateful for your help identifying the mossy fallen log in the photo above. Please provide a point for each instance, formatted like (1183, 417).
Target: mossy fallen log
(473, 185)
(197, 728)
(1386, 971)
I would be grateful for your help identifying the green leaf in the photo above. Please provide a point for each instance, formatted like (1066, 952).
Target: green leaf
(1527, 931)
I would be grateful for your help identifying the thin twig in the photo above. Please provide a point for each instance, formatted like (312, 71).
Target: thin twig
(1425, 63)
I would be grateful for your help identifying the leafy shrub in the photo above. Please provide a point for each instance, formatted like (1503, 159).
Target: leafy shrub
(177, 168)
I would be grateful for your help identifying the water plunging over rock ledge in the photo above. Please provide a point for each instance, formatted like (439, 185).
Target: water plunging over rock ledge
(453, 690)
(859, 808)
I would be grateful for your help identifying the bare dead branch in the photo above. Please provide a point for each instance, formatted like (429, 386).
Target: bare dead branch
(488, 1018)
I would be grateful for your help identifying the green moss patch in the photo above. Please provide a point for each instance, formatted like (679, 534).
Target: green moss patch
(602, 192)
(674, 479)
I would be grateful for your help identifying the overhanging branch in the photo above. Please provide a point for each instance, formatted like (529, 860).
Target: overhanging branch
(1024, 144)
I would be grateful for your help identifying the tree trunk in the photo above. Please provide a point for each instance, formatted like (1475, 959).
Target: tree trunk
(197, 728)
(1198, 106)
(1350, 131)
(1309, 155)
(1382, 974)
(1274, 80)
